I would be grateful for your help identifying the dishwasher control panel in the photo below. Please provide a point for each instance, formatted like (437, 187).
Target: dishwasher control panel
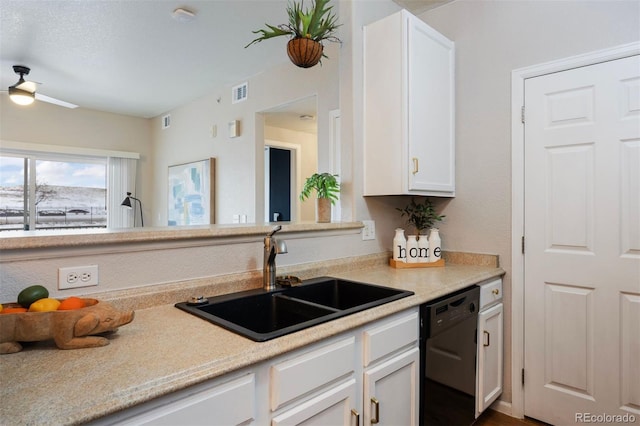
(449, 310)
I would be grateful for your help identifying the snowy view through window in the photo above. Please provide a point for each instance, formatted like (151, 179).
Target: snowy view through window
(68, 194)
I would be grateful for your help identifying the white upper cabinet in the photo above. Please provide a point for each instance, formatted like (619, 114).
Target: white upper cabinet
(409, 120)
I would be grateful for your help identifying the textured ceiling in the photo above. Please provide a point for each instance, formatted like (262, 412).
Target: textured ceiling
(131, 57)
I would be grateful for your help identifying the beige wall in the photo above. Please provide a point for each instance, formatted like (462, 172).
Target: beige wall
(492, 39)
(240, 160)
(54, 125)
(43, 123)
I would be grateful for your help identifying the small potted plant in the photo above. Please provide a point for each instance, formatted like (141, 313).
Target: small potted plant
(420, 216)
(327, 189)
(307, 29)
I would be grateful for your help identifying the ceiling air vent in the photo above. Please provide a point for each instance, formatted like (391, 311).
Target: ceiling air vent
(239, 93)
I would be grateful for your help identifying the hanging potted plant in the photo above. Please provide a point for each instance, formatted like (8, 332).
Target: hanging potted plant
(307, 29)
(327, 189)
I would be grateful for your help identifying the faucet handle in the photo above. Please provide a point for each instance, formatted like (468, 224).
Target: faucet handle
(276, 229)
(288, 281)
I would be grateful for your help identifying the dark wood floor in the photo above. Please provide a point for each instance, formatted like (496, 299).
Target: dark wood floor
(494, 418)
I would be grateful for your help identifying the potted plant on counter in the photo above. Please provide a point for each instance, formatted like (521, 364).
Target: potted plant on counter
(327, 189)
(423, 216)
(307, 29)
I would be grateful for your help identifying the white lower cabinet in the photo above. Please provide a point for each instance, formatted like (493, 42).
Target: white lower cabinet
(332, 407)
(230, 402)
(490, 345)
(382, 381)
(392, 370)
(391, 391)
(315, 386)
(333, 382)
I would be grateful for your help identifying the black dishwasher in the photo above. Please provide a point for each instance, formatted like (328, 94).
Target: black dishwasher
(448, 348)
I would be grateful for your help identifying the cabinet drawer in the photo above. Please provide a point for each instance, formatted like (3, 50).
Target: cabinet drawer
(311, 370)
(232, 402)
(390, 335)
(490, 293)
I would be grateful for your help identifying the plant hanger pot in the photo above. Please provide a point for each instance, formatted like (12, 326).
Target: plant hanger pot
(304, 52)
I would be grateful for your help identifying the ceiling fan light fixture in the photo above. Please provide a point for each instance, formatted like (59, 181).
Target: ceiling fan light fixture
(20, 96)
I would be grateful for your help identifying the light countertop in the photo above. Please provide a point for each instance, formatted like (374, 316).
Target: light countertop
(165, 349)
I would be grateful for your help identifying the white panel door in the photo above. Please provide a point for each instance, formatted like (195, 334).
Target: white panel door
(582, 230)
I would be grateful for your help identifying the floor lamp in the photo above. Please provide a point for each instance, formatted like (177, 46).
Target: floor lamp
(127, 203)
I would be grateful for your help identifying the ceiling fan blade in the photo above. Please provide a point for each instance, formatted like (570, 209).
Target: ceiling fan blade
(29, 86)
(45, 98)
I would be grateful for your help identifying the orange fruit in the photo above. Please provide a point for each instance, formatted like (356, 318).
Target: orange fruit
(71, 303)
(13, 310)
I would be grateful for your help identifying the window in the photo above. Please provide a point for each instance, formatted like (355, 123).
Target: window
(55, 189)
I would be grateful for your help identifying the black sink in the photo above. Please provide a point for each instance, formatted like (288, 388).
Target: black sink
(264, 313)
(261, 315)
(344, 295)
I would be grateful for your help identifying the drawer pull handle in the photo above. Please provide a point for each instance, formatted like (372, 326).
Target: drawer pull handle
(495, 291)
(354, 413)
(415, 165)
(486, 333)
(376, 404)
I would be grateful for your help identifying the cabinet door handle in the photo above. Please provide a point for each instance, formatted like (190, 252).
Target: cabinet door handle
(354, 413)
(496, 291)
(416, 165)
(486, 333)
(376, 404)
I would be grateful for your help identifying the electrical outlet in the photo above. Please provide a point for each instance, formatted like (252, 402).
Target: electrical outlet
(369, 230)
(77, 276)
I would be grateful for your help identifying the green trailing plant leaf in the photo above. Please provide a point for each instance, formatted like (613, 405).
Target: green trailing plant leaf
(318, 25)
(266, 34)
(325, 184)
(420, 216)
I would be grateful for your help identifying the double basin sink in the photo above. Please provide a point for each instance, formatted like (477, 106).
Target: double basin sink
(260, 315)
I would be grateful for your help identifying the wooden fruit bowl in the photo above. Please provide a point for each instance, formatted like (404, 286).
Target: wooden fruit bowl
(73, 329)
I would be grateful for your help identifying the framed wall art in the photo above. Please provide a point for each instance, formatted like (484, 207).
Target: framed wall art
(191, 197)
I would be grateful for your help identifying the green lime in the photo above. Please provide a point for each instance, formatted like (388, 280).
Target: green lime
(31, 294)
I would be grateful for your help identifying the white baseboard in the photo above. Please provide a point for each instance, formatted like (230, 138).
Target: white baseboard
(503, 407)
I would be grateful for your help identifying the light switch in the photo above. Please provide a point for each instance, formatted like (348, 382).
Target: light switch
(234, 128)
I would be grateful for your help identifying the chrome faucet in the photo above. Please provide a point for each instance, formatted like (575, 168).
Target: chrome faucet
(272, 247)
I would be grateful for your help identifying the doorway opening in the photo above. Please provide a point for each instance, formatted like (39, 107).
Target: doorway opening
(290, 137)
(280, 183)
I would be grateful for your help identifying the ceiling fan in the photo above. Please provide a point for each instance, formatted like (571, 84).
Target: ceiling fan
(24, 91)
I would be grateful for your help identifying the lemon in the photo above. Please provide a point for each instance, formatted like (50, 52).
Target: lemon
(44, 305)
